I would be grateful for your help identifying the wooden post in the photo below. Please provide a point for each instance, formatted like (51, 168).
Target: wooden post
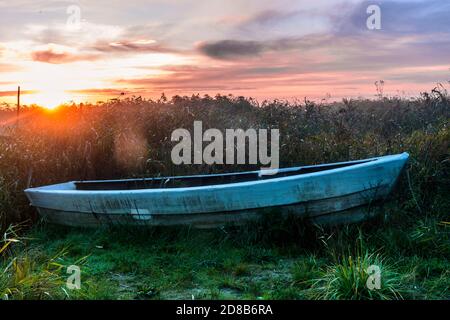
(18, 104)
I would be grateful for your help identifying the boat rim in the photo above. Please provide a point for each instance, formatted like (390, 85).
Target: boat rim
(52, 189)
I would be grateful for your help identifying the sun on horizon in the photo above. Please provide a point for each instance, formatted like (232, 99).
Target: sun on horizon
(48, 99)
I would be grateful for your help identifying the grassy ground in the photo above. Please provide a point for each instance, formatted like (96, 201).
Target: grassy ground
(273, 259)
(289, 261)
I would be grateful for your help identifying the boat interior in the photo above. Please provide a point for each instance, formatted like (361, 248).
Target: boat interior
(204, 180)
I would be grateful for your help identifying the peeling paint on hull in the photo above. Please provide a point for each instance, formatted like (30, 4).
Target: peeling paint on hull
(338, 195)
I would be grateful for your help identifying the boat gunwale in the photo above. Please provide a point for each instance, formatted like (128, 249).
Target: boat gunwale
(363, 163)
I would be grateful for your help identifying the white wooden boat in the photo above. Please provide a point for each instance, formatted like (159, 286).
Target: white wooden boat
(328, 193)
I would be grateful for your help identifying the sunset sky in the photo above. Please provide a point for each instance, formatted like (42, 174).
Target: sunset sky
(264, 49)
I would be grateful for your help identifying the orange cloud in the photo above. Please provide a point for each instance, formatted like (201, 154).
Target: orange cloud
(50, 56)
(14, 93)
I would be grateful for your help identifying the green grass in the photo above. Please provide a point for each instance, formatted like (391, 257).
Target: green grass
(175, 263)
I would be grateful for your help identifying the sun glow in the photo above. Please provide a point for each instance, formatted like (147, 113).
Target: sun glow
(48, 99)
(61, 74)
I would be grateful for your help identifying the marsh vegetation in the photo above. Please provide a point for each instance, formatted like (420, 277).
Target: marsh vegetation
(273, 259)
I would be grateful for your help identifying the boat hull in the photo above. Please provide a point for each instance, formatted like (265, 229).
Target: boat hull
(342, 195)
